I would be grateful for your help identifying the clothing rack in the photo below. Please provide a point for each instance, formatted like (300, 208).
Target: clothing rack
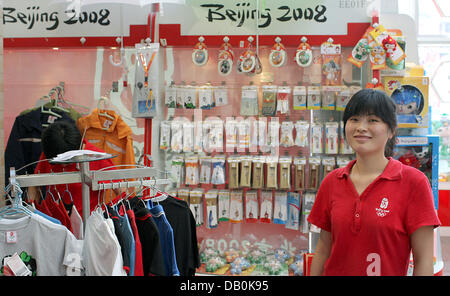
(91, 180)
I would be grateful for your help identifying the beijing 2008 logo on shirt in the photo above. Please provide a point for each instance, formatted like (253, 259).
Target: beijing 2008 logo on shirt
(384, 207)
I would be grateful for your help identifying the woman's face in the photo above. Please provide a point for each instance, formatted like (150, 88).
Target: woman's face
(367, 134)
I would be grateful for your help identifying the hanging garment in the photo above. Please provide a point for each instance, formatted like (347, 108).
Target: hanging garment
(101, 250)
(166, 239)
(184, 228)
(57, 213)
(46, 248)
(112, 136)
(75, 188)
(77, 223)
(152, 259)
(138, 265)
(24, 142)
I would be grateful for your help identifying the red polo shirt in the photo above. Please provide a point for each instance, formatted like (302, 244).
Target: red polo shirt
(371, 232)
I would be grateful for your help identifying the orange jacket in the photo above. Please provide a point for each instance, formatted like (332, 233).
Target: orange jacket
(113, 136)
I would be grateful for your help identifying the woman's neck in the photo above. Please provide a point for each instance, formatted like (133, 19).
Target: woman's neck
(369, 165)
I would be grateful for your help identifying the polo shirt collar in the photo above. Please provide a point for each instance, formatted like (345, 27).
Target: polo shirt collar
(392, 171)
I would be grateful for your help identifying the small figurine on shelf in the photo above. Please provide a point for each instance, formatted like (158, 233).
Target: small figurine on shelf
(200, 53)
(277, 56)
(303, 55)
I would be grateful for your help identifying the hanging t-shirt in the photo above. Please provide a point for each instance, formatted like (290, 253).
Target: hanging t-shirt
(101, 250)
(138, 266)
(46, 248)
(166, 239)
(183, 224)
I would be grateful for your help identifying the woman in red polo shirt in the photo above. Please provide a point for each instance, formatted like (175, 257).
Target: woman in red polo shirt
(375, 211)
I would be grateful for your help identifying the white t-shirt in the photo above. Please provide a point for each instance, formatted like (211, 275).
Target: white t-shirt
(101, 251)
(46, 248)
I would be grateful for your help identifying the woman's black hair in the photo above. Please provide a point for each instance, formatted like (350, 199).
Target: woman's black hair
(370, 101)
(60, 137)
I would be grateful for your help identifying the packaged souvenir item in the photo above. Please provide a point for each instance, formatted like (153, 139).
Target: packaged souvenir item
(307, 204)
(211, 208)
(317, 138)
(301, 130)
(200, 53)
(280, 207)
(277, 56)
(299, 98)
(262, 132)
(251, 206)
(272, 174)
(265, 214)
(331, 63)
(344, 147)
(221, 95)
(198, 136)
(205, 97)
(231, 134)
(269, 100)
(299, 168)
(361, 50)
(285, 172)
(196, 205)
(293, 211)
(224, 205)
(249, 100)
(205, 169)
(233, 171)
(164, 137)
(244, 134)
(273, 137)
(188, 136)
(192, 170)
(176, 142)
(171, 96)
(314, 172)
(246, 170)
(303, 55)
(343, 97)
(190, 97)
(331, 137)
(249, 62)
(218, 172)
(329, 96)
(258, 172)
(314, 98)
(183, 194)
(236, 206)
(393, 51)
(177, 169)
(213, 127)
(283, 99)
(328, 164)
(287, 134)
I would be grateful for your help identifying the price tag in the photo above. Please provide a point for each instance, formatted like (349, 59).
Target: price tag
(11, 237)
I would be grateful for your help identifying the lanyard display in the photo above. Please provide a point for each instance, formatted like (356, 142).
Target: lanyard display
(146, 66)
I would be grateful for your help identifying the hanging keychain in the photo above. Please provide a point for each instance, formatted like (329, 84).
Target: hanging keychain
(258, 172)
(272, 174)
(314, 98)
(293, 211)
(301, 129)
(177, 169)
(280, 207)
(170, 96)
(303, 55)
(246, 171)
(277, 56)
(146, 55)
(283, 93)
(225, 58)
(176, 142)
(231, 135)
(205, 97)
(196, 205)
(361, 50)
(233, 171)
(164, 140)
(299, 164)
(251, 206)
(265, 213)
(200, 53)
(317, 138)
(224, 205)
(218, 173)
(331, 136)
(192, 175)
(249, 100)
(188, 136)
(314, 169)
(287, 135)
(393, 51)
(205, 169)
(285, 172)
(236, 206)
(211, 208)
(328, 164)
